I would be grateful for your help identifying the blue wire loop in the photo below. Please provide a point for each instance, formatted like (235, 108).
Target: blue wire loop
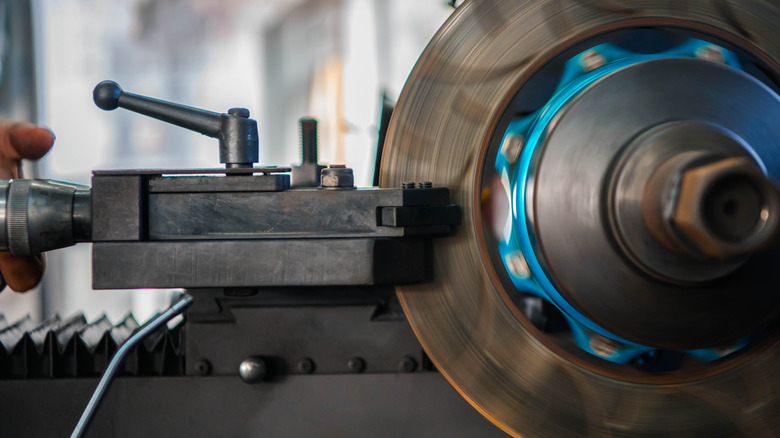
(518, 241)
(116, 361)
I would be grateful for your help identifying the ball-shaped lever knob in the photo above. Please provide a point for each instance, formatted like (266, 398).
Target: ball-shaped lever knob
(106, 95)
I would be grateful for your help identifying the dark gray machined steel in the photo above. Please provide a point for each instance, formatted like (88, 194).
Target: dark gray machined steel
(294, 213)
(140, 206)
(251, 263)
(570, 209)
(236, 132)
(234, 184)
(117, 208)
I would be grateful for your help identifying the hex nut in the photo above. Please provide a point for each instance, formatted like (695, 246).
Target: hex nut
(337, 177)
(690, 210)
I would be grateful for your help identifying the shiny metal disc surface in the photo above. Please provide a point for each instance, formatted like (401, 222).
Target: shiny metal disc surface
(442, 130)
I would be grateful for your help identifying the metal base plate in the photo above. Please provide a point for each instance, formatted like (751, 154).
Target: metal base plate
(329, 406)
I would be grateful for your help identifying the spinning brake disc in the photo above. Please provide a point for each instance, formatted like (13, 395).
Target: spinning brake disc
(616, 163)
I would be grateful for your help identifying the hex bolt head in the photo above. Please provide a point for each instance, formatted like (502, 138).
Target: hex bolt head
(591, 60)
(202, 367)
(712, 53)
(728, 208)
(407, 364)
(252, 370)
(356, 365)
(604, 347)
(305, 366)
(517, 265)
(512, 147)
(337, 177)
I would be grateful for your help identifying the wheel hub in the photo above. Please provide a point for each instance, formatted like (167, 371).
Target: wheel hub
(619, 124)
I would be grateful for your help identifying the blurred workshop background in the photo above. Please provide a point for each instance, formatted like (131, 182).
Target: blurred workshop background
(281, 59)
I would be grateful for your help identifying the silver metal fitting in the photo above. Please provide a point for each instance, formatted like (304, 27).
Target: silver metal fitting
(252, 370)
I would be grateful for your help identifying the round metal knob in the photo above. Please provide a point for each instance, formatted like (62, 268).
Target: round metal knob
(252, 370)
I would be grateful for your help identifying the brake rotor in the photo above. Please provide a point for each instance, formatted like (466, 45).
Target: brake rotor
(447, 128)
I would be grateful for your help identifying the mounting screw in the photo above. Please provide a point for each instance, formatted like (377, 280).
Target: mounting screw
(202, 367)
(426, 185)
(711, 53)
(408, 185)
(513, 145)
(252, 370)
(517, 265)
(603, 346)
(356, 365)
(591, 60)
(305, 366)
(407, 364)
(337, 176)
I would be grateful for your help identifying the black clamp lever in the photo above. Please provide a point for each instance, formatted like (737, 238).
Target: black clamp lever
(237, 133)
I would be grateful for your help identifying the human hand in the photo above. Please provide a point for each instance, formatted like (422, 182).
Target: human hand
(21, 141)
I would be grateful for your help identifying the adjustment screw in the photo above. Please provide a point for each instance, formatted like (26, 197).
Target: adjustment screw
(202, 367)
(407, 364)
(426, 185)
(408, 185)
(591, 60)
(305, 366)
(337, 176)
(252, 370)
(356, 365)
(239, 112)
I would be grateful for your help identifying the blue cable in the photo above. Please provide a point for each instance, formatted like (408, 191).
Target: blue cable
(116, 361)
